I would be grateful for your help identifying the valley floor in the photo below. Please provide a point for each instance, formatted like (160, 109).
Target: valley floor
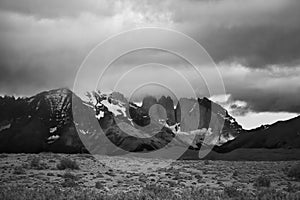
(22, 173)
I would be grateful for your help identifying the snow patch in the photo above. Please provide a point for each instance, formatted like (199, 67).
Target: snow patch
(83, 132)
(138, 103)
(100, 115)
(116, 109)
(193, 108)
(223, 139)
(175, 128)
(7, 126)
(53, 129)
(52, 139)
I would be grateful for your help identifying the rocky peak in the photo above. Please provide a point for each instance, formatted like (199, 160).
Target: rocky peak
(168, 104)
(147, 102)
(55, 105)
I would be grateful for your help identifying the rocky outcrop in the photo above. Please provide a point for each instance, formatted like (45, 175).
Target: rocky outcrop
(48, 118)
(202, 113)
(148, 101)
(168, 105)
(187, 114)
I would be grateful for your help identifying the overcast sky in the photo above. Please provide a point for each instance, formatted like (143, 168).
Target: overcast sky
(255, 44)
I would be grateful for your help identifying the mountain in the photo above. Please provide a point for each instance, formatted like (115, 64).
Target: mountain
(59, 121)
(44, 123)
(197, 114)
(282, 134)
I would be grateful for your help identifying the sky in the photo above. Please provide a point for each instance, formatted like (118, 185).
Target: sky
(254, 43)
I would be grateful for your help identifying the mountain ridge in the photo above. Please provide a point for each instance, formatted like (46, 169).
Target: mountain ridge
(45, 122)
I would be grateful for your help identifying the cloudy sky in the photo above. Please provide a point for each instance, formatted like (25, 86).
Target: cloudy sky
(255, 44)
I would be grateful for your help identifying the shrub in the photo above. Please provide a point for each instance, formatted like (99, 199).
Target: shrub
(262, 181)
(69, 175)
(69, 179)
(294, 172)
(235, 173)
(231, 191)
(19, 170)
(271, 193)
(99, 185)
(69, 183)
(50, 174)
(67, 163)
(3, 156)
(36, 163)
(291, 188)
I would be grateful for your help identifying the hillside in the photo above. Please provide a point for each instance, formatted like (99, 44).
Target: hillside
(282, 134)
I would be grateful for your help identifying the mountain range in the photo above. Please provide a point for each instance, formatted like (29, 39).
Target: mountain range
(59, 121)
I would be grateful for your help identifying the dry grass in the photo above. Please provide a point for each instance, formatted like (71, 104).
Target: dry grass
(149, 192)
(294, 172)
(25, 176)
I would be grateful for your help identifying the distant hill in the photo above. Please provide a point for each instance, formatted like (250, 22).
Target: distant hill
(282, 134)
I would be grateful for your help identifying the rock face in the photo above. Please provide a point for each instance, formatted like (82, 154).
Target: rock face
(192, 114)
(202, 113)
(168, 104)
(45, 125)
(148, 101)
(216, 117)
(187, 114)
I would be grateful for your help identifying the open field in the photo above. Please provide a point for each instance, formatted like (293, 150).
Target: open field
(253, 154)
(44, 174)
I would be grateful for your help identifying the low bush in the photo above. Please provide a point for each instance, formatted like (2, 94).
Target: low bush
(69, 183)
(235, 173)
(36, 163)
(69, 180)
(262, 181)
(69, 175)
(19, 170)
(99, 185)
(3, 155)
(67, 163)
(231, 191)
(294, 172)
(271, 193)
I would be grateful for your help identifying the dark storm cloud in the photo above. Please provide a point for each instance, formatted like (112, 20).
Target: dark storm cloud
(260, 100)
(57, 8)
(263, 101)
(38, 54)
(276, 89)
(255, 46)
(42, 43)
(32, 77)
(254, 33)
(255, 37)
